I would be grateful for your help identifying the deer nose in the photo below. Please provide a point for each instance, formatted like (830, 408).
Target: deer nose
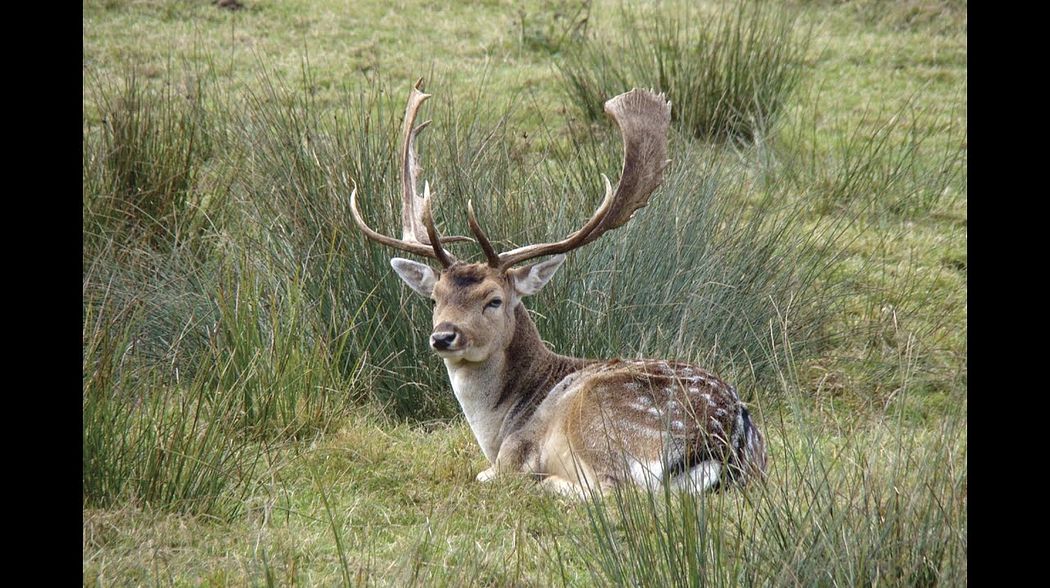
(444, 337)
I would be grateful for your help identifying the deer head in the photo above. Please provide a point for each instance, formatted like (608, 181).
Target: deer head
(475, 304)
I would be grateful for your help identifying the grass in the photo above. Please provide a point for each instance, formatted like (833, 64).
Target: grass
(259, 403)
(729, 74)
(143, 167)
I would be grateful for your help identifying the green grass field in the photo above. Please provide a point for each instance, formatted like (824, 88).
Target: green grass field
(260, 406)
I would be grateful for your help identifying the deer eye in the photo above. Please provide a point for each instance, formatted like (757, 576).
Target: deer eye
(494, 303)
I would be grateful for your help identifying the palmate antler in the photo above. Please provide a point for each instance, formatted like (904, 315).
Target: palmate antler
(643, 118)
(418, 234)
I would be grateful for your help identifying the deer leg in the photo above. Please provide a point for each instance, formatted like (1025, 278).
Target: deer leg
(567, 488)
(516, 455)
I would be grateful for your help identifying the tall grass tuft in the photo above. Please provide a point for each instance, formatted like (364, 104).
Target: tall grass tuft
(277, 361)
(197, 348)
(143, 163)
(729, 75)
(168, 450)
(186, 434)
(148, 442)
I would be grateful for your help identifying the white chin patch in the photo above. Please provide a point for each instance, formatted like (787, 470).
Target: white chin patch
(475, 355)
(454, 356)
(470, 354)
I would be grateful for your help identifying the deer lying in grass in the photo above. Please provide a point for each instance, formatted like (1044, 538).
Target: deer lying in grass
(573, 423)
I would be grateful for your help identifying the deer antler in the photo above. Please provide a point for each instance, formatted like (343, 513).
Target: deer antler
(643, 118)
(418, 234)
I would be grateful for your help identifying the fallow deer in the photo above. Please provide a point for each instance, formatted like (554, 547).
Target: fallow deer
(574, 424)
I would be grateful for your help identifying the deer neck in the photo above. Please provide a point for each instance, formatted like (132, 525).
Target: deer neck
(498, 395)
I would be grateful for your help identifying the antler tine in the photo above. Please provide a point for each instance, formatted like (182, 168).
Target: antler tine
(418, 234)
(483, 240)
(403, 245)
(643, 118)
(442, 256)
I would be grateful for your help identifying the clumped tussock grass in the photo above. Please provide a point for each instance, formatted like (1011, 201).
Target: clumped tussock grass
(168, 451)
(146, 441)
(193, 350)
(161, 298)
(729, 75)
(143, 163)
(171, 430)
(279, 369)
(153, 194)
(184, 433)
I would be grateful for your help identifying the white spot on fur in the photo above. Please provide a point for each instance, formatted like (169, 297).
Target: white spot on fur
(640, 429)
(647, 408)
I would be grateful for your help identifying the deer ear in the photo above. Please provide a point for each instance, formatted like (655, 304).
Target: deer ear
(419, 276)
(532, 278)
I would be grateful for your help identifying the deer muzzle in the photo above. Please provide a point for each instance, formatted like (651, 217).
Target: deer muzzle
(446, 337)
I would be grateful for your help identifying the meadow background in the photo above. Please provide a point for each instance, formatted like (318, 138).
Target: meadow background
(259, 403)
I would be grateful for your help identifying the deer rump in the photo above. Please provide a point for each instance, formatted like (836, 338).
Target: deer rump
(651, 422)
